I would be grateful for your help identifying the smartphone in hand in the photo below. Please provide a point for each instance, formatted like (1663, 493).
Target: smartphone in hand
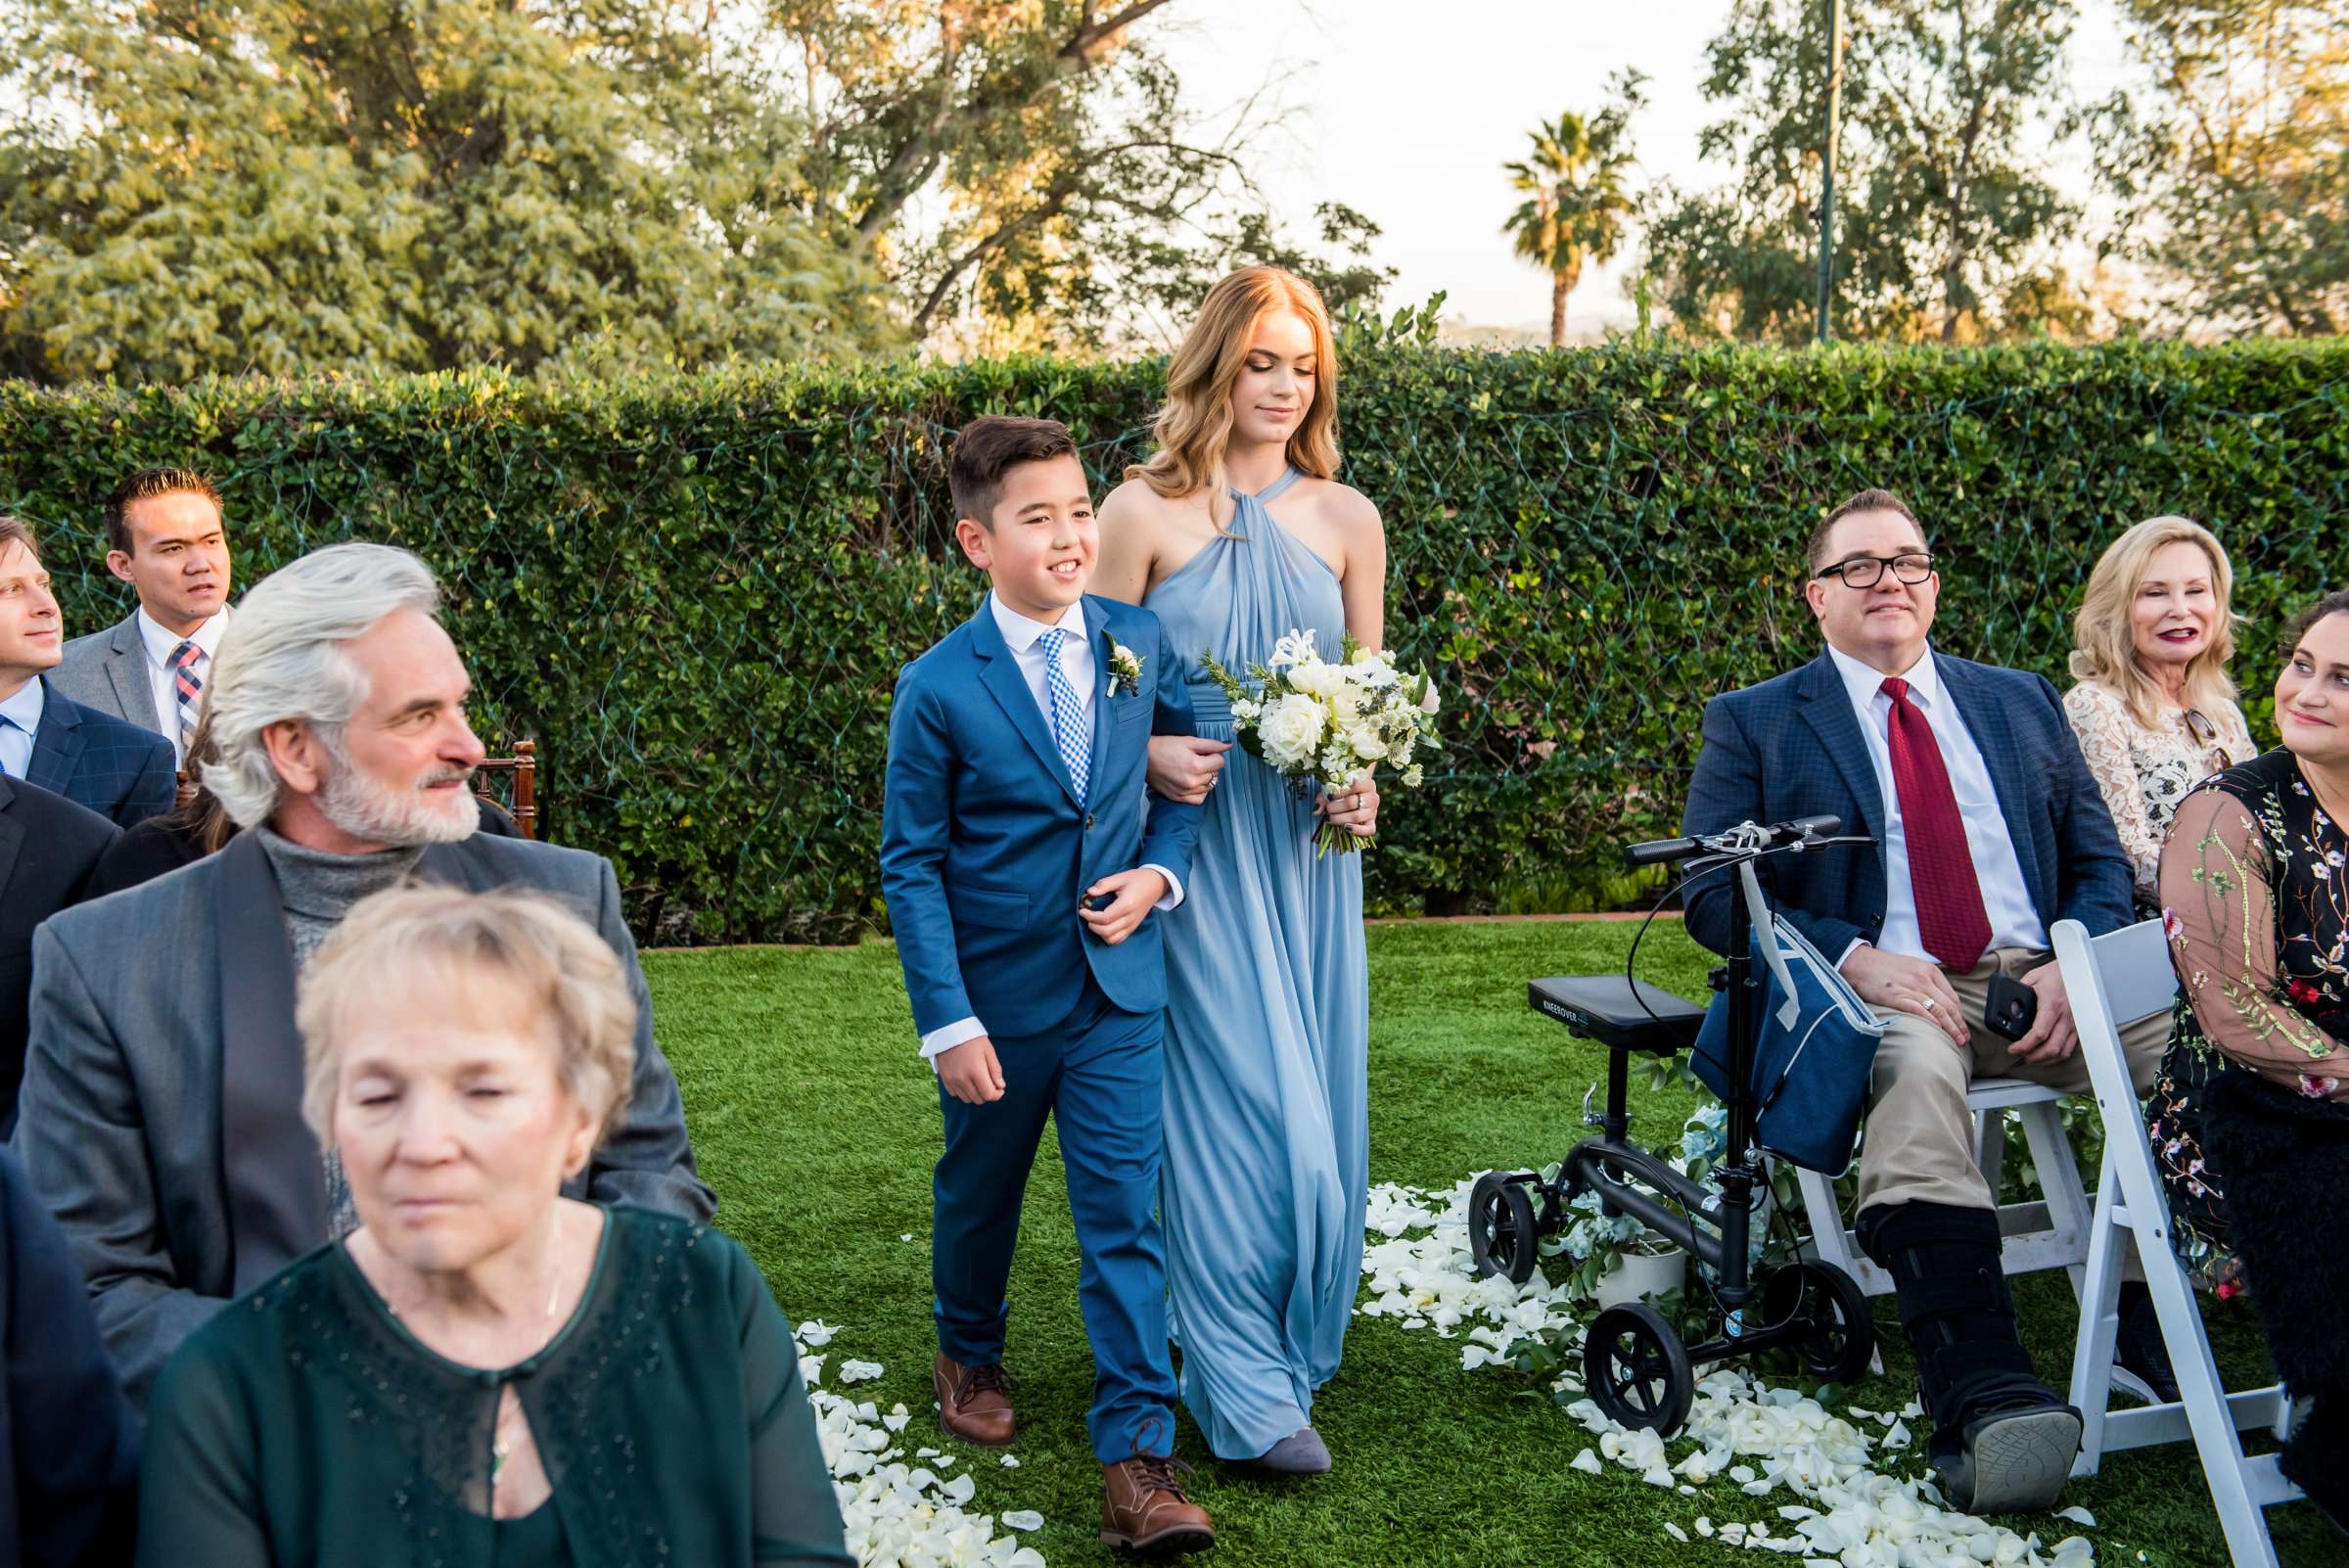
(2009, 1008)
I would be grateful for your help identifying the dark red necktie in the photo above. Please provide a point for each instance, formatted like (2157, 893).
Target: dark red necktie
(1950, 921)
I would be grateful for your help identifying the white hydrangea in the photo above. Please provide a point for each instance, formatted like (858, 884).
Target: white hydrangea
(1291, 730)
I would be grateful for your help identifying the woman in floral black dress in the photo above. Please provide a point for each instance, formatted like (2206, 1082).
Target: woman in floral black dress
(2250, 1119)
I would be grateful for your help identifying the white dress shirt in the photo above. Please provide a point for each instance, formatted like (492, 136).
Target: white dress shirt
(1077, 662)
(161, 644)
(2005, 895)
(20, 717)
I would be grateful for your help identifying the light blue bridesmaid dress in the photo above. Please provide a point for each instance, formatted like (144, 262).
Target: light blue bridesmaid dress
(1267, 1162)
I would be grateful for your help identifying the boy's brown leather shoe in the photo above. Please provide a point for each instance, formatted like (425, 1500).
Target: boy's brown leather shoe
(1143, 1508)
(974, 1403)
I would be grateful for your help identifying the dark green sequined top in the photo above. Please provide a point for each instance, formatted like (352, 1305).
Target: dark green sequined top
(304, 1427)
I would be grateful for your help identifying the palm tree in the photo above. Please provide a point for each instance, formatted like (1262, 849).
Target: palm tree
(1576, 204)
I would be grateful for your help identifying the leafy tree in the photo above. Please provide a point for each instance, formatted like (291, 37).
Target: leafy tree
(2232, 159)
(1945, 213)
(1576, 205)
(1032, 166)
(294, 185)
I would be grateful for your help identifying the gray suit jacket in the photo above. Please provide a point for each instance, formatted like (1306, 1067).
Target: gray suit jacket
(160, 1116)
(108, 671)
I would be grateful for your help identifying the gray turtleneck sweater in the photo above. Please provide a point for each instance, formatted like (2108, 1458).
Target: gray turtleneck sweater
(315, 889)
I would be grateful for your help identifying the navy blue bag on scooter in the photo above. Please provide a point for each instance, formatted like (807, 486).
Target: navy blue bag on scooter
(1815, 1046)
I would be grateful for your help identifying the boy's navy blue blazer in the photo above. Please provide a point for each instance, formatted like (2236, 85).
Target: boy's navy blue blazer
(1791, 747)
(984, 853)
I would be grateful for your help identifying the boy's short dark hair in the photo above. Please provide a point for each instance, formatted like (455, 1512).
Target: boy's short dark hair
(986, 449)
(144, 485)
(1866, 501)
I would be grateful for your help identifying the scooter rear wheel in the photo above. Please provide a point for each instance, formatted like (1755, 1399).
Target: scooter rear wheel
(1636, 1370)
(1503, 1236)
(1840, 1337)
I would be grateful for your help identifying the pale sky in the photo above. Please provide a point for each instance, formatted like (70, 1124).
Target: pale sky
(1406, 109)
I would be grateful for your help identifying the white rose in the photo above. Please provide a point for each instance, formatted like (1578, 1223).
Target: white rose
(1317, 679)
(1366, 742)
(1290, 730)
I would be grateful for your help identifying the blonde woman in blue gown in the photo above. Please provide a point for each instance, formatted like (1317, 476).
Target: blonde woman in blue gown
(1235, 532)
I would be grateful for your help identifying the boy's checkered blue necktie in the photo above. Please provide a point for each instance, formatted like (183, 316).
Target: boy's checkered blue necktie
(1067, 712)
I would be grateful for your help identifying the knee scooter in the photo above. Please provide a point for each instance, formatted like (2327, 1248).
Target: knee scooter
(1637, 1367)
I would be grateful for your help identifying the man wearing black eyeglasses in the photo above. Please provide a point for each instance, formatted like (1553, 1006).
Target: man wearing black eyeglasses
(1991, 829)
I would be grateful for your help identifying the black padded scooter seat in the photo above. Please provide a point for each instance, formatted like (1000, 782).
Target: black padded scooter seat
(1602, 1008)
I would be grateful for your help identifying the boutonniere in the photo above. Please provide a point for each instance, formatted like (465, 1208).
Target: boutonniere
(1124, 669)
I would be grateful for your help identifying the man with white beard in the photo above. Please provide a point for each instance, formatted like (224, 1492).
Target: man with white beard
(161, 1118)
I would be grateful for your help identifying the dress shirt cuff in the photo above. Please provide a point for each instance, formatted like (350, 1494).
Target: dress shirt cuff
(1174, 898)
(947, 1038)
(1858, 943)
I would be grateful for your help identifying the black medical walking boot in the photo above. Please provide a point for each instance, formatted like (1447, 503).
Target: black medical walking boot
(2002, 1440)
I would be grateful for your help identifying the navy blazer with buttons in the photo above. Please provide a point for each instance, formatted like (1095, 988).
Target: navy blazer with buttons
(1791, 747)
(985, 850)
(118, 770)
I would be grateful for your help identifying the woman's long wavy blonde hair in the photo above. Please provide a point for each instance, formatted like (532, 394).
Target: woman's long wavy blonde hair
(1194, 428)
(2105, 642)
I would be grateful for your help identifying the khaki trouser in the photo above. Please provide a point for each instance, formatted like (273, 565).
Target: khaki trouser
(1919, 1143)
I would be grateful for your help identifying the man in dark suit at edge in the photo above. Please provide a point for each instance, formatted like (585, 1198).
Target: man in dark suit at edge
(1989, 830)
(118, 770)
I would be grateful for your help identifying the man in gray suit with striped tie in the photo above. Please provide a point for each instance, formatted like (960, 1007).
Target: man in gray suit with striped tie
(166, 538)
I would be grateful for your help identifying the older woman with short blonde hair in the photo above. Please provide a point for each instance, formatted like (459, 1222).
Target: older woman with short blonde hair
(2154, 707)
(514, 1376)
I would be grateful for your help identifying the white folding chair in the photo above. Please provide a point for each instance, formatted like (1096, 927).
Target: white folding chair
(2049, 1233)
(2113, 980)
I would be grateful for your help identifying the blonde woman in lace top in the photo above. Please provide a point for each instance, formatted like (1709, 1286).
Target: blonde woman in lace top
(2155, 710)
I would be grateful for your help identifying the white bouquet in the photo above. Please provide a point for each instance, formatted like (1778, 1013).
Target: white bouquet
(1323, 724)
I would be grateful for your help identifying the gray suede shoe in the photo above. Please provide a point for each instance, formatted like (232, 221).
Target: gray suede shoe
(1301, 1453)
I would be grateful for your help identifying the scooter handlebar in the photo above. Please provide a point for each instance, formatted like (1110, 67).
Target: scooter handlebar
(1657, 851)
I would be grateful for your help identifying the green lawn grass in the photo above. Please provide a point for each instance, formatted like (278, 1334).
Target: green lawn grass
(817, 1123)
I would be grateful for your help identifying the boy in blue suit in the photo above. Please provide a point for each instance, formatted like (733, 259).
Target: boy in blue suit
(1023, 863)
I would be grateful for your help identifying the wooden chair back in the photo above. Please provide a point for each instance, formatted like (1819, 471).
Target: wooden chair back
(522, 796)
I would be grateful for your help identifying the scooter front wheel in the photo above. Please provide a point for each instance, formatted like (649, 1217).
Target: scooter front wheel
(1636, 1370)
(1503, 1235)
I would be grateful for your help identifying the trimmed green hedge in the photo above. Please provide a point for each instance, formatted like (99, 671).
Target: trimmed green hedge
(696, 592)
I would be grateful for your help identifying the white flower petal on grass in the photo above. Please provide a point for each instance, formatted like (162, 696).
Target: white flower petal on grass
(907, 1236)
(1418, 1274)
(859, 1371)
(2076, 1516)
(893, 1513)
(815, 1333)
(1676, 1532)
(1010, 1463)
